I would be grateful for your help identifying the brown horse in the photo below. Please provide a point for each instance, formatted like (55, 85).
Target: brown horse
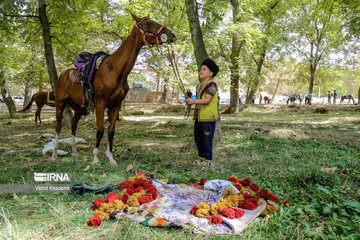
(40, 98)
(110, 84)
(350, 97)
(267, 100)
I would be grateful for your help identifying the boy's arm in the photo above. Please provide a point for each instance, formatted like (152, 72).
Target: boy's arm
(203, 101)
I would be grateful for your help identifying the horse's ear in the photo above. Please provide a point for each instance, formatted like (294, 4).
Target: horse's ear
(136, 18)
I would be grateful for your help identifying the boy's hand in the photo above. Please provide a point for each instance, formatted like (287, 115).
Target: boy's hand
(190, 101)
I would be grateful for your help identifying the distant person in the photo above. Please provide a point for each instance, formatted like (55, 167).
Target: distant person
(329, 97)
(308, 99)
(260, 99)
(335, 96)
(206, 112)
(240, 102)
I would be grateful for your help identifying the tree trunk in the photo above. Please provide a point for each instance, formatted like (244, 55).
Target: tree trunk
(234, 64)
(6, 96)
(49, 56)
(165, 91)
(276, 88)
(195, 30)
(259, 65)
(199, 48)
(359, 96)
(8, 101)
(28, 95)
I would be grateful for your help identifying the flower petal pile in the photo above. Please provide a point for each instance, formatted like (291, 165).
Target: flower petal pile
(249, 197)
(134, 192)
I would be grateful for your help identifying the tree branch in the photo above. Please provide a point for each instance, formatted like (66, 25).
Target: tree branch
(63, 45)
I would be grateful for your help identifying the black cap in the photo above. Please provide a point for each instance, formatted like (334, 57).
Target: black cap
(211, 65)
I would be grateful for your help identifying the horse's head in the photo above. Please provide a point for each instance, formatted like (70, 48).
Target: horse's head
(152, 33)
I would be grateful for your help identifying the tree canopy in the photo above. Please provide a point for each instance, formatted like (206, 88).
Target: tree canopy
(278, 46)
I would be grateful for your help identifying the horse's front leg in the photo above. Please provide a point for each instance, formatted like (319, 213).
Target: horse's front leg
(113, 113)
(59, 112)
(100, 108)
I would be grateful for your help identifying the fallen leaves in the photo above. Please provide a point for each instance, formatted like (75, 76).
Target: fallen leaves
(129, 167)
(87, 168)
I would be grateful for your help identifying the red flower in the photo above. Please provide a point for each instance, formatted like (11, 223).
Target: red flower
(138, 189)
(139, 182)
(140, 174)
(97, 203)
(238, 212)
(95, 221)
(202, 182)
(268, 196)
(246, 196)
(145, 199)
(124, 198)
(286, 203)
(194, 209)
(228, 213)
(125, 184)
(245, 182)
(233, 179)
(249, 204)
(238, 186)
(111, 197)
(215, 219)
(254, 187)
(130, 191)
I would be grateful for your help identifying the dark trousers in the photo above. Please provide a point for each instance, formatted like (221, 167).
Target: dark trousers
(203, 135)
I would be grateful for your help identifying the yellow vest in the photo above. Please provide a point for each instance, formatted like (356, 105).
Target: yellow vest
(209, 112)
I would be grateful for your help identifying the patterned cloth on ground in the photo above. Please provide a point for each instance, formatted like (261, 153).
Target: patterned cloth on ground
(172, 208)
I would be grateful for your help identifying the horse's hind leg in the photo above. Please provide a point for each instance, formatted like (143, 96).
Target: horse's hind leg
(113, 113)
(37, 115)
(74, 122)
(59, 114)
(100, 108)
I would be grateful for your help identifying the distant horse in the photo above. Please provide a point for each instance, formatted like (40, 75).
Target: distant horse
(41, 98)
(110, 84)
(350, 97)
(295, 97)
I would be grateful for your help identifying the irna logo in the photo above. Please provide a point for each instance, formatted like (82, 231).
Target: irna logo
(52, 177)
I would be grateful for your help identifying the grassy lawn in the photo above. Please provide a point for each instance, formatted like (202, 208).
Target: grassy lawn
(302, 156)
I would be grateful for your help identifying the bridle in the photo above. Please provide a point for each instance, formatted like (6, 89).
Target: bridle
(146, 33)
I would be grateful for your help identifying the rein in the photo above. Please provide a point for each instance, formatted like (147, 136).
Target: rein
(146, 33)
(187, 94)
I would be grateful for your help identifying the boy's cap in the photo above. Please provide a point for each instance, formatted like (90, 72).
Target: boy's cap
(211, 65)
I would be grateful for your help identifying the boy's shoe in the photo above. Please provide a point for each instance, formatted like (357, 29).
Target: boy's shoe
(198, 161)
(206, 163)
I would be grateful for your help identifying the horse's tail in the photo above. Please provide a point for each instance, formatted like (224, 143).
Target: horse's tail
(28, 106)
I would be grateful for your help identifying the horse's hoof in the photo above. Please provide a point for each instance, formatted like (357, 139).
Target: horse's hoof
(96, 163)
(75, 154)
(113, 163)
(52, 159)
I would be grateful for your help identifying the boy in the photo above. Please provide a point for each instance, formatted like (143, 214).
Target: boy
(206, 112)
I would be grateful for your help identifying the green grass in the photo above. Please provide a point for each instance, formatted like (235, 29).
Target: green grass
(325, 202)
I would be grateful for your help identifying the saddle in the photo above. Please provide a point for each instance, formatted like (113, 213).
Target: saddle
(50, 99)
(83, 72)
